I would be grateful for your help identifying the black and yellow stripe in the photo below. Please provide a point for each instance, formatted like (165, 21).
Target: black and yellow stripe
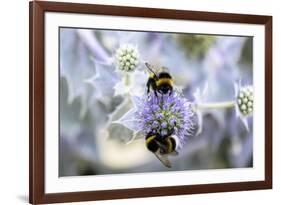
(164, 81)
(151, 143)
(169, 145)
(155, 142)
(159, 82)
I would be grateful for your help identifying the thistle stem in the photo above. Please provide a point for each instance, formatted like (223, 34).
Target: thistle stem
(127, 79)
(219, 105)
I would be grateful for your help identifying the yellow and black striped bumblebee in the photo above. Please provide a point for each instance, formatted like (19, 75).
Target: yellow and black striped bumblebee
(161, 82)
(162, 146)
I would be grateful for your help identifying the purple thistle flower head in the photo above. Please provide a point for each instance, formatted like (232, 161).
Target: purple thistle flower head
(166, 115)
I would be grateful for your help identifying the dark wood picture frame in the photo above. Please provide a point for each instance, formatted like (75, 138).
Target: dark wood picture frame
(37, 10)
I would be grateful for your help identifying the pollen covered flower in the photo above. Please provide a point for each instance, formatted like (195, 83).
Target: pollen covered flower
(127, 57)
(167, 114)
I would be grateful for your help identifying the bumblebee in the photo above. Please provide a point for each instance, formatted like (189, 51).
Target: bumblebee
(161, 82)
(162, 146)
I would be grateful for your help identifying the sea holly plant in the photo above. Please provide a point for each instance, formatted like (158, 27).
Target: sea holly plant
(243, 102)
(168, 113)
(173, 113)
(122, 66)
(124, 62)
(127, 62)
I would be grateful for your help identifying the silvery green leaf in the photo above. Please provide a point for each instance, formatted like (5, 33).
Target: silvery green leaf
(79, 132)
(75, 67)
(138, 86)
(122, 108)
(201, 96)
(120, 133)
(123, 126)
(116, 129)
(108, 39)
(120, 88)
(128, 120)
(69, 112)
(136, 100)
(133, 83)
(221, 67)
(103, 81)
(136, 136)
(97, 50)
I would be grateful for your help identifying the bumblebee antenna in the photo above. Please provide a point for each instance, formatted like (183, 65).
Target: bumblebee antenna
(150, 69)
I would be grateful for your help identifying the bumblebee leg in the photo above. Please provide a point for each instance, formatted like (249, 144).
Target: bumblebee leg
(171, 131)
(154, 87)
(170, 91)
(148, 86)
(155, 92)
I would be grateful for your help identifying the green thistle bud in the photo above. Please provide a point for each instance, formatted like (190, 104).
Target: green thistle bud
(245, 100)
(127, 57)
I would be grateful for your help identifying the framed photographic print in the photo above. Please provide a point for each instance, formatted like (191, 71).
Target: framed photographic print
(138, 102)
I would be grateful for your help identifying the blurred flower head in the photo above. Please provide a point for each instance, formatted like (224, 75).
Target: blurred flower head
(127, 57)
(167, 114)
(196, 46)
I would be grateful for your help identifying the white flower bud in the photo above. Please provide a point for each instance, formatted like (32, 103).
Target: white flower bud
(127, 57)
(239, 101)
(245, 100)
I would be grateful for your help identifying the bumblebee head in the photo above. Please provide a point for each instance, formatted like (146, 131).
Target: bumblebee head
(164, 89)
(164, 83)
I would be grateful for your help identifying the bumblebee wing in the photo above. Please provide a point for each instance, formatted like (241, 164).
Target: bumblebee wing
(151, 69)
(162, 146)
(174, 153)
(164, 149)
(164, 69)
(164, 159)
(178, 89)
